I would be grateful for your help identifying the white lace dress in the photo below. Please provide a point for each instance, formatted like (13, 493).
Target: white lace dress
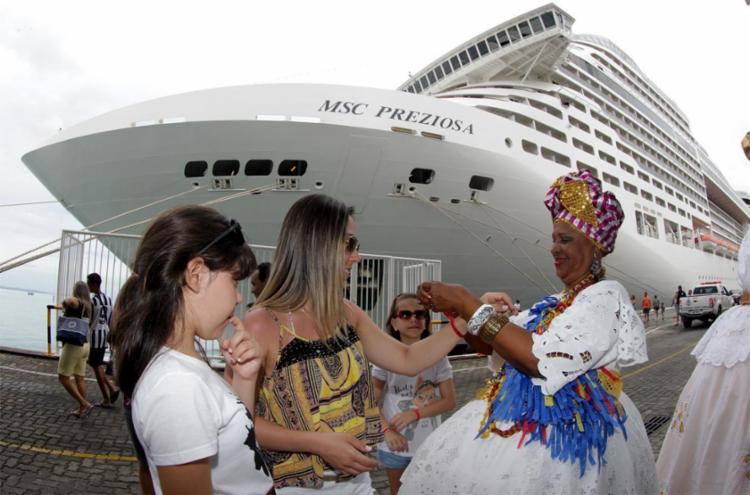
(599, 329)
(707, 447)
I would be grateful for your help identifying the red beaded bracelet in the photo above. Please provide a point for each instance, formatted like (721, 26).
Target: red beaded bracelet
(386, 429)
(452, 321)
(419, 414)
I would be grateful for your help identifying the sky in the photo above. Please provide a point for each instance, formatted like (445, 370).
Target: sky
(64, 62)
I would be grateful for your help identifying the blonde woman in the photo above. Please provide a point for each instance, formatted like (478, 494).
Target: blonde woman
(318, 420)
(72, 363)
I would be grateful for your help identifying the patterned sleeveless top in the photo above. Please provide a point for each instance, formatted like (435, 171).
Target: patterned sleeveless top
(322, 386)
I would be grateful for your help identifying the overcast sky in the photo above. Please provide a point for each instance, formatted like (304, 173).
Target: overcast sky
(63, 62)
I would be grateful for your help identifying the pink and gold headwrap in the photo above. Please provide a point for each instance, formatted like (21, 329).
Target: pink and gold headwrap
(578, 199)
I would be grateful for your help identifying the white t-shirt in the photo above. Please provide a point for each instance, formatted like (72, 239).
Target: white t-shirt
(184, 411)
(403, 393)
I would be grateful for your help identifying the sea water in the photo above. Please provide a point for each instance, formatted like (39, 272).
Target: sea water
(23, 319)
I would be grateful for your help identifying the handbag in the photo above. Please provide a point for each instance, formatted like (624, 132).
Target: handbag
(72, 330)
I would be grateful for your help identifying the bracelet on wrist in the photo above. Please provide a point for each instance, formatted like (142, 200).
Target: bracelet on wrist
(452, 322)
(491, 327)
(386, 430)
(417, 413)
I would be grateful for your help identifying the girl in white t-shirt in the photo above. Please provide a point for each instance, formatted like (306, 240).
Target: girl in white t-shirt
(196, 431)
(411, 405)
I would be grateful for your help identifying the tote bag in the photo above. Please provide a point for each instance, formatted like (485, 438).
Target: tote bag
(72, 330)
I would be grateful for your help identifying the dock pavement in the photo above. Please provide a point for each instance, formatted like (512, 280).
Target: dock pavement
(44, 450)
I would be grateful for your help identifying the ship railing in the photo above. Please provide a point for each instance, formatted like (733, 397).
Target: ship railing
(373, 282)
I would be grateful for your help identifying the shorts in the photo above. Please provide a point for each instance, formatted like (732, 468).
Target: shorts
(389, 460)
(73, 360)
(96, 357)
(646, 311)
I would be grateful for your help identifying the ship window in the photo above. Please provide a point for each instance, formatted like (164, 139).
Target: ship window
(643, 176)
(464, 57)
(196, 169)
(525, 29)
(536, 25)
(630, 188)
(455, 63)
(548, 19)
(425, 85)
(603, 137)
(417, 86)
(681, 212)
(555, 157)
(647, 195)
(421, 175)
(611, 179)
(492, 43)
(293, 167)
(438, 72)
(660, 201)
(483, 50)
(607, 158)
(669, 190)
(481, 183)
(258, 167)
(657, 184)
(502, 38)
(447, 67)
(513, 32)
(226, 167)
(627, 168)
(431, 77)
(671, 207)
(582, 166)
(529, 147)
(410, 89)
(473, 53)
(579, 124)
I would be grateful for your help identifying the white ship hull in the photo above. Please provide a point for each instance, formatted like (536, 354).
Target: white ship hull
(111, 166)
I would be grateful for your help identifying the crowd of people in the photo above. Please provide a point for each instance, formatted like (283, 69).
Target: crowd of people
(315, 396)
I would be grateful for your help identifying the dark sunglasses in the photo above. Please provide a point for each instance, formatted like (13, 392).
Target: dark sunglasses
(405, 314)
(234, 230)
(352, 244)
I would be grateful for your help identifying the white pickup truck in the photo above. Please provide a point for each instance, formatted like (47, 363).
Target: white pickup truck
(706, 303)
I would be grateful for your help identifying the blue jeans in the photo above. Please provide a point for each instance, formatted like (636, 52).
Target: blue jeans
(389, 460)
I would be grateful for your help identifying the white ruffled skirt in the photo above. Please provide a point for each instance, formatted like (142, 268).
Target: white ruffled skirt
(453, 461)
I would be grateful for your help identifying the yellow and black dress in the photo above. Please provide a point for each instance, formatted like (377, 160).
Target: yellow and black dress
(321, 386)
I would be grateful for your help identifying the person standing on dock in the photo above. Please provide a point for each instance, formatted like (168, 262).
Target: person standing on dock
(72, 361)
(646, 305)
(679, 294)
(99, 332)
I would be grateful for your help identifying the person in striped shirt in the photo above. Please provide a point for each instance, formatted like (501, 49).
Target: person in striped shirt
(98, 339)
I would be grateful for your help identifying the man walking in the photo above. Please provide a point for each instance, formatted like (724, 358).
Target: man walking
(679, 294)
(102, 316)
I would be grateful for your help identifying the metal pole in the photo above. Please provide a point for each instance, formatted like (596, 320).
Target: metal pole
(49, 329)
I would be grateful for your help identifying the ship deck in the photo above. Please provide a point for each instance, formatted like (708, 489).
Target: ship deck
(45, 450)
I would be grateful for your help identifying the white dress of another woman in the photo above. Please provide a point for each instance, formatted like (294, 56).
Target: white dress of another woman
(600, 328)
(707, 447)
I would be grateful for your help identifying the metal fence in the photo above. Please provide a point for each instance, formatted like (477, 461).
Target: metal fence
(373, 283)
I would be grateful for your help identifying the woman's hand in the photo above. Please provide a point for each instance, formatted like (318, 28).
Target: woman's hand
(241, 352)
(396, 441)
(403, 419)
(501, 301)
(344, 453)
(448, 298)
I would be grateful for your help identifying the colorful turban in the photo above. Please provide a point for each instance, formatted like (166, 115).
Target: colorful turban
(578, 199)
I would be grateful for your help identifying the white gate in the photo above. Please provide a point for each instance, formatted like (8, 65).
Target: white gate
(374, 282)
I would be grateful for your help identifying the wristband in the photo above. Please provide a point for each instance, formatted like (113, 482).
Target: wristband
(419, 414)
(386, 429)
(452, 321)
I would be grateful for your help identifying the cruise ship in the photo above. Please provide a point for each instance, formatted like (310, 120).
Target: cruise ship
(452, 165)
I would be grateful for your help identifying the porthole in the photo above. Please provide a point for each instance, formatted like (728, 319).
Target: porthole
(319, 184)
(455, 201)
(258, 167)
(196, 169)
(421, 175)
(224, 168)
(293, 168)
(508, 142)
(481, 183)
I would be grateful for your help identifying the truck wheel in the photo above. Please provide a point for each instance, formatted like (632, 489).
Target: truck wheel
(686, 322)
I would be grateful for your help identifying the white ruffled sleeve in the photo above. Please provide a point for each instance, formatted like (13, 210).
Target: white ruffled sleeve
(600, 328)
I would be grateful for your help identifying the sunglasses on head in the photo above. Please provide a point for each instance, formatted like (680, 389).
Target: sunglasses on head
(352, 244)
(234, 230)
(405, 314)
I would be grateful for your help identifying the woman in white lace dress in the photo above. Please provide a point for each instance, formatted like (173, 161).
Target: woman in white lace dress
(707, 447)
(554, 418)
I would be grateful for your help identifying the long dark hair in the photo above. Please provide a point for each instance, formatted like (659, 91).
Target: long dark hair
(151, 302)
(392, 314)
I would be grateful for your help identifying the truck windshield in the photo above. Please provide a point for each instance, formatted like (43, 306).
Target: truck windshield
(705, 290)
